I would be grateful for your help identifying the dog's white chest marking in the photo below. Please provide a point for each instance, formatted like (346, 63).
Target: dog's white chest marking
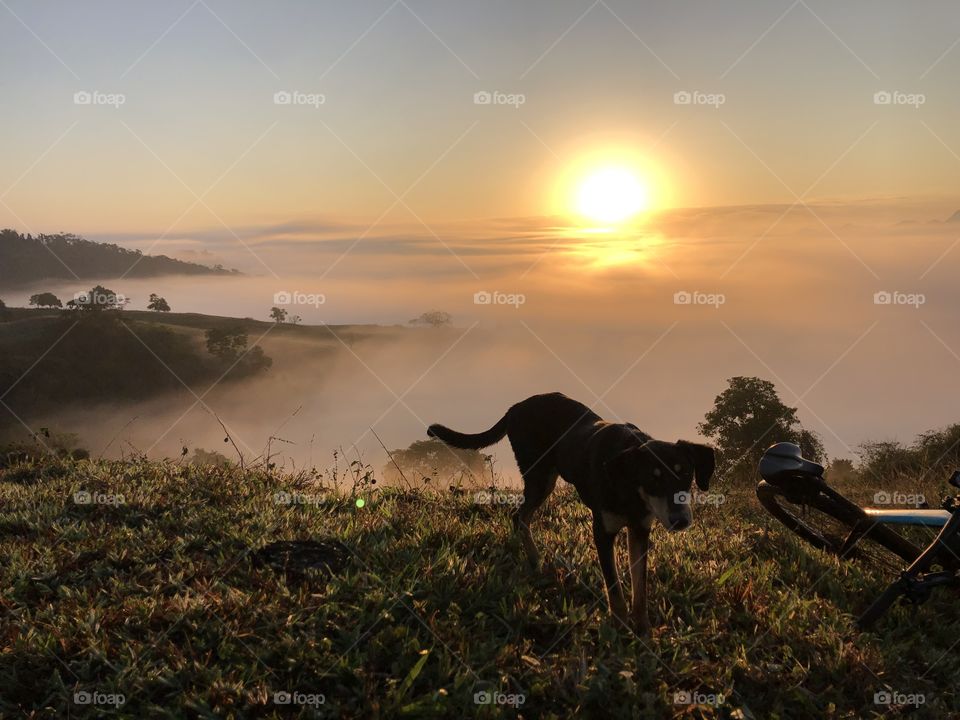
(612, 522)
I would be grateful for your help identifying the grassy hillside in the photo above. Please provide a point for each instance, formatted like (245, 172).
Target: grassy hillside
(420, 603)
(53, 359)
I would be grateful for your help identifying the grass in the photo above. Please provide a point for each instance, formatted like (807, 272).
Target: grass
(161, 599)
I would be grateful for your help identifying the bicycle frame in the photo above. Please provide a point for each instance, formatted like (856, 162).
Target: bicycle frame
(918, 517)
(799, 481)
(915, 583)
(909, 517)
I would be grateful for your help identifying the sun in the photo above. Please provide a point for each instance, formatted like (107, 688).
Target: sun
(612, 195)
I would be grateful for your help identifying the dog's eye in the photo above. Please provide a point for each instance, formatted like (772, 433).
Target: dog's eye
(678, 467)
(656, 472)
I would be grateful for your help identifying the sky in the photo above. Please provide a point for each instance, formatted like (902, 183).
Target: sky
(801, 161)
(398, 80)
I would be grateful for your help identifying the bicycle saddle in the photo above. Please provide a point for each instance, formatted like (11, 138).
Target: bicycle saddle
(784, 460)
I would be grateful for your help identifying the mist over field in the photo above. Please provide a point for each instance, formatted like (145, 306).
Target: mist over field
(648, 332)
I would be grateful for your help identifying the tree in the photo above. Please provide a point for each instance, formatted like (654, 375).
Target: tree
(432, 459)
(278, 315)
(939, 450)
(209, 457)
(434, 318)
(158, 304)
(226, 343)
(841, 470)
(933, 453)
(229, 346)
(888, 461)
(3, 310)
(47, 299)
(747, 418)
(97, 299)
(842, 465)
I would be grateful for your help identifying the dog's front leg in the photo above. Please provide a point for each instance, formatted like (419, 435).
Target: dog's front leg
(608, 566)
(639, 543)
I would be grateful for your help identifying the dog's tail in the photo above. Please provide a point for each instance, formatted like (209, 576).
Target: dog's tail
(470, 442)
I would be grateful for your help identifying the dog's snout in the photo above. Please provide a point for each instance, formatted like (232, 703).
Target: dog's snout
(679, 522)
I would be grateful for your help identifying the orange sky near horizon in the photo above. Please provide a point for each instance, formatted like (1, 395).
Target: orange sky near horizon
(167, 120)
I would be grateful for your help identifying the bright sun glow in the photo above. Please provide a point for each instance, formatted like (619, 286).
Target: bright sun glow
(612, 195)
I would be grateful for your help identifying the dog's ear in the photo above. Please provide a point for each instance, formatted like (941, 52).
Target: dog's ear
(703, 461)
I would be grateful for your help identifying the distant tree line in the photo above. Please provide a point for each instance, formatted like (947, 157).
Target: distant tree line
(935, 453)
(95, 299)
(433, 318)
(28, 258)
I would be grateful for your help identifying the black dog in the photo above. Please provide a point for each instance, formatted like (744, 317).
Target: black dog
(623, 475)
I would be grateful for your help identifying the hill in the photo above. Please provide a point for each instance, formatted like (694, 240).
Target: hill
(76, 357)
(162, 583)
(50, 360)
(25, 259)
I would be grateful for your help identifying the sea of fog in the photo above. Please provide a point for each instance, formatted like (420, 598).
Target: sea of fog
(856, 327)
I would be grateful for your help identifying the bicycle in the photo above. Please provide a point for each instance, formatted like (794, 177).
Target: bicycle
(794, 491)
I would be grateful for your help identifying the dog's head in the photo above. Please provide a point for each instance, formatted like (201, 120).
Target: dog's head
(661, 475)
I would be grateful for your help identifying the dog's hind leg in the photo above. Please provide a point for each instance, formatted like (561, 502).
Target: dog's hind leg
(538, 483)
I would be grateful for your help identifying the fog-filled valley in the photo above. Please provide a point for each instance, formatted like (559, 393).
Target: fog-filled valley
(615, 334)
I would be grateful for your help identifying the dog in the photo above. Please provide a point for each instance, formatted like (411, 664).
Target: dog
(623, 475)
